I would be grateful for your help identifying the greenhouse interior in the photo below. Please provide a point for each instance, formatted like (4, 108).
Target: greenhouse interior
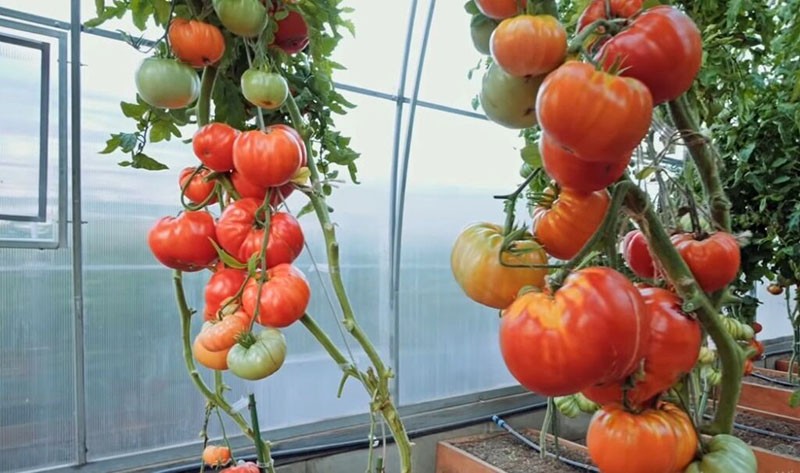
(340, 236)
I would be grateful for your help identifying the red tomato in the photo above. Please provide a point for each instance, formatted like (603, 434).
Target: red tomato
(241, 236)
(759, 349)
(593, 330)
(220, 335)
(662, 48)
(292, 33)
(637, 254)
(597, 10)
(660, 440)
(198, 189)
(195, 42)
(757, 327)
(246, 467)
(223, 284)
(714, 261)
(284, 297)
(574, 173)
(216, 455)
(297, 137)
(500, 9)
(528, 45)
(246, 189)
(565, 227)
(184, 242)
(597, 116)
(213, 146)
(267, 158)
(672, 352)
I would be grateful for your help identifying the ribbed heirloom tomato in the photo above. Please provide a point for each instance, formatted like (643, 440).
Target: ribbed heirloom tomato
(213, 146)
(241, 235)
(637, 254)
(662, 48)
(564, 226)
(500, 9)
(726, 454)
(167, 83)
(216, 455)
(195, 187)
(594, 329)
(223, 284)
(528, 45)
(246, 467)
(267, 158)
(220, 335)
(258, 357)
(284, 297)
(292, 33)
(618, 9)
(576, 174)
(475, 262)
(246, 189)
(215, 360)
(672, 352)
(195, 42)
(298, 139)
(714, 261)
(509, 100)
(660, 440)
(246, 18)
(598, 116)
(184, 242)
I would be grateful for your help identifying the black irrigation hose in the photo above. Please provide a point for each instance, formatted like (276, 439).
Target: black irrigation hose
(779, 382)
(502, 424)
(767, 433)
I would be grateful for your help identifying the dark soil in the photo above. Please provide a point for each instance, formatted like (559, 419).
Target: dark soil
(512, 456)
(766, 442)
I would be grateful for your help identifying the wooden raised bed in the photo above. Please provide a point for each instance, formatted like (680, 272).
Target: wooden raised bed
(782, 365)
(771, 399)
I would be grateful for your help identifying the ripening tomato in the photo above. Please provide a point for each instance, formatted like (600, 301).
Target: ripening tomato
(757, 327)
(167, 83)
(574, 173)
(246, 18)
(267, 90)
(597, 11)
(775, 289)
(198, 189)
(636, 252)
(284, 297)
(220, 335)
(726, 454)
(475, 262)
(299, 139)
(500, 9)
(213, 146)
(596, 115)
(267, 158)
(216, 455)
(759, 347)
(215, 360)
(566, 225)
(195, 42)
(246, 467)
(508, 100)
(241, 235)
(223, 284)
(529, 45)
(247, 189)
(258, 357)
(714, 260)
(292, 33)
(673, 350)
(660, 440)
(185, 242)
(593, 330)
(662, 48)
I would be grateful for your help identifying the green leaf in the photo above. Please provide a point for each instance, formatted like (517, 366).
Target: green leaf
(112, 144)
(734, 7)
(650, 4)
(143, 161)
(307, 209)
(128, 141)
(471, 8)
(530, 155)
(141, 10)
(782, 179)
(794, 400)
(99, 6)
(161, 10)
(646, 172)
(161, 130)
(227, 259)
(281, 14)
(134, 110)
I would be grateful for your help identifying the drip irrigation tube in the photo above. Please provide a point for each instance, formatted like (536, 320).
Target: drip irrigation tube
(779, 382)
(503, 425)
(756, 430)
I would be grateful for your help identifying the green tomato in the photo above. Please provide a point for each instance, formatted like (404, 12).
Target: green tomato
(481, 28)
(726, 454)
(260, 359)
(568, 406)
(264, 89)
(246, 18)
(167, 83)
(509, 101)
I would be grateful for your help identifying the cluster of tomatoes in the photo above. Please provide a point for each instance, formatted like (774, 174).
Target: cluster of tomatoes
(618, 343)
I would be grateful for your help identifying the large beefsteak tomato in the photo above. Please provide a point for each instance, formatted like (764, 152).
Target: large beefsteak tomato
(246, 188)
(223, 284)
(260, 358)
(576, 174)
(185, 242)
(714, 260)
(284, 297)
(566, 225)
(529, 45)
(593, 330)
(475, 262)
(213, 146)
(220, 335)
(195, 42)
(267, 158)
(636, 252)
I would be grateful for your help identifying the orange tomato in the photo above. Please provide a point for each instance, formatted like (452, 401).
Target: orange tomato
(216, 455)
(194, 42)
(215, 360)
(566, 225)
(528, 45)
(221, 335)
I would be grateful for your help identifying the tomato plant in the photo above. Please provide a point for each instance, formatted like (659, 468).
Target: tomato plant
(475, 259)
(292, 33)
(576, 174)
(216, 455)
(508, 100)
(714, 260)
(725, 454)
(196, 187)
(564, 226)
(185, 242)
(264, 89)
(671, 353)
(195, 42)
(213, 146)
(267, 158)
(660, 440)
(166, 83)
(662, 48)
(258, 357)
(594, 329)
(529, 45)
(576, 98)
(283, 297)
(223, 284)
(221, 335)
(637, 254)
(241, 235)
(246, 18)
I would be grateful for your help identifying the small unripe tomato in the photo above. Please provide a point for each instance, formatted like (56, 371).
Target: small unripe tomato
(775, 289)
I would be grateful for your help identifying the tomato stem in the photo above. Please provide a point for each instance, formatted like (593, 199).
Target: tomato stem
(262, 448)
(204, 100)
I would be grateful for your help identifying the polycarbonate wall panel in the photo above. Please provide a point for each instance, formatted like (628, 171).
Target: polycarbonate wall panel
(37, 426)
(449, 343)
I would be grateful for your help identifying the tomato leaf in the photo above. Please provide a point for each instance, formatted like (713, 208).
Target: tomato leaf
(281, 14)
(143, 161)
(141, 11)
(646, 172)
(134, 110)
(471, 8)
(112, 144)
(161, 9)
(99, 6)
(794, 400)
(227, 259)
(307, 209)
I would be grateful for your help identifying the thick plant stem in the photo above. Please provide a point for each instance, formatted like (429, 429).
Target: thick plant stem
(204, 101)
(696, 301)
(380, 379)
(700, 150)
(262, 448)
